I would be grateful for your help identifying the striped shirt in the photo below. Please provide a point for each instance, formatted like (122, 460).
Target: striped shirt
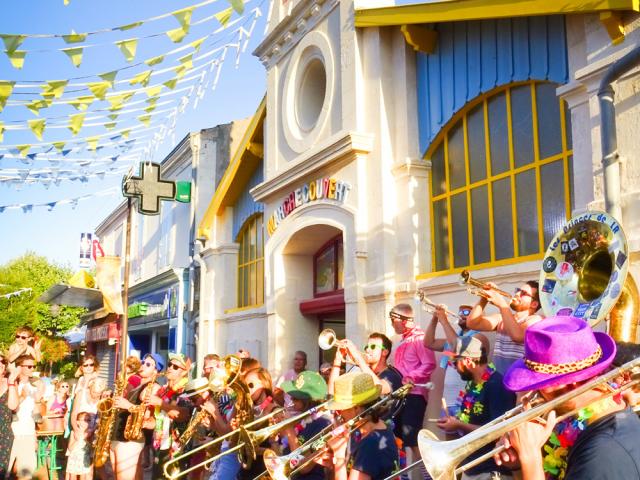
(506, 351)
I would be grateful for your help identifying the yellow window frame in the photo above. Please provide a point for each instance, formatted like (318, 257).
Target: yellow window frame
(443, 139)
(247, 260)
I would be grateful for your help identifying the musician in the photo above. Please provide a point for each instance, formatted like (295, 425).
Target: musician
(601, 441)
(510, 324)
(483, 399)
(452, 381)
(125, 454)
(209, 362)
(371, 451)
(415, 363)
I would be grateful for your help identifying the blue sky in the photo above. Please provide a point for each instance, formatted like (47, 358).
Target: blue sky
(56, 234)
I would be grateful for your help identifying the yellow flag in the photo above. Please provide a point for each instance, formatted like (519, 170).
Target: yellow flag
(130, 26)
(92, 142)
(145, 119)
(37, 127)
(66, 2)
(74, 37)
(153, 91)
(224, 16)
(125, 133)
(177, 34)
(23, 149)
(54, 88)
(180, 72)
(187, 61)
(113, 116)
(82, 103)
(5, 92)
(196, 44)
(109, 77)
(155, 60)
(75, 122)
(12, 42)
(171, 84)
(36, 105)
(150, 108)
(74, 54)
(99, 89)
(184, 17)
(238, 6)
(110, 125)
(128, 48)
(16, 58)
(1, 131)
(117, 101)
(142, 78)
(59, 146)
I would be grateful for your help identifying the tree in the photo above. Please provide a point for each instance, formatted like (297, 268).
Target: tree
(33, 272)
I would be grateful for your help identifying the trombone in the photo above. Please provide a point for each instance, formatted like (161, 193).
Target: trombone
(476, 287)
(430, 307)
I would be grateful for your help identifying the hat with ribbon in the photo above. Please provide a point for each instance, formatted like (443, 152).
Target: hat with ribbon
(352, 389)
(196, 387)
(558, 351)
(307, 386)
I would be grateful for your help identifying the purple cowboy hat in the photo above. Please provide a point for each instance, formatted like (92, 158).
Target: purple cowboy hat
(559, 350)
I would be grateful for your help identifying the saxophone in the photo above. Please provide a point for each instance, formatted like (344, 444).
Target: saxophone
(107, 416)
(135, 420)
(196, 420)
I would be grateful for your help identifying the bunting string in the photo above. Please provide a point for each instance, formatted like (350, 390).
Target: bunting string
(73, 202)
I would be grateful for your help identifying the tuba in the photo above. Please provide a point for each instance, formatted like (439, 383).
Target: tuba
(585, 274)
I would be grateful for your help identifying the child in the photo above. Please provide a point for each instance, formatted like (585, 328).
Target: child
(25, 344)
(80, 463)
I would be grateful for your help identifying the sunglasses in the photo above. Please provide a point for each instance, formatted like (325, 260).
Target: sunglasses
(396, 316)
(23, 337)
(88, 364)
(28, 366)
(464, 311)
(175, 367)
(522, 293)
(373, 346)
(64, 386)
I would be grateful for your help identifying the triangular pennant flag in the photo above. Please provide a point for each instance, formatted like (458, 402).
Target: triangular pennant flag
(59, 146)
(16, 58)
(171, 84)
(187, 61)
(154, 61)
(54, 88)
(32, 156)
(82, 103)
(224, 16)
(1, 134)
(196, 44)
(5, 92)
(75, 122)
(110, 125)
(99, 89)
(128, 48)
(142, 78)
(184, 17)
(23, 149)
(153, 91)
(177, 34)
(145, 119)
(125, 133)
(36, 105)
(109, 77)
(152, 100)
(117, 101)
(74, 54)
(150, 108)
(66, 2)
(51, 206)
(74, 37)
(65, 152)
(130, 26)
(37, 127)
(27, 208)
(181, 71)
(92, 142)
(238, 6)
(113, 116)
(12, 42)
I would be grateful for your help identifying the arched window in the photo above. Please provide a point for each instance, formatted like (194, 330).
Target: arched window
(500, 175)
(251, 263)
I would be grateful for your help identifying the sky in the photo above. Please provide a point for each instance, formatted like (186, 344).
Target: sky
(56, 233)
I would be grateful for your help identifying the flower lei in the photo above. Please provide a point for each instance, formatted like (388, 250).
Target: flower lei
(468, 398)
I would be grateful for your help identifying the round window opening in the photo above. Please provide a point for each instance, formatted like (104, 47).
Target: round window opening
(311, 93)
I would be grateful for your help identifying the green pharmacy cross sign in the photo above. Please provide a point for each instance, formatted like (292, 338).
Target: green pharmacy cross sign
(148, 188)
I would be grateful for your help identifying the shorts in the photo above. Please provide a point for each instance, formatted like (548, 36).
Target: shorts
(411, 419)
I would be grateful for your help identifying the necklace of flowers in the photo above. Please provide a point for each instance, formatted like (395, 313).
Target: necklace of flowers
(468, 398)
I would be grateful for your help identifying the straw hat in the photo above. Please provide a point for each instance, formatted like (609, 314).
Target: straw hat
(353, 389)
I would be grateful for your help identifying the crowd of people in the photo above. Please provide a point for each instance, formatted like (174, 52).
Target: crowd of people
(357, 418)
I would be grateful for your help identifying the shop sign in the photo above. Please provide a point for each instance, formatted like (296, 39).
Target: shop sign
(322, 189)
(157, 305)
(102, 333)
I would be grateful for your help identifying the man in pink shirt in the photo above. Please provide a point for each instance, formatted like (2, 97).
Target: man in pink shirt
(415, 362)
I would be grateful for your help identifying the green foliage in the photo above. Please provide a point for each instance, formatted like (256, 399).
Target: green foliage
(35, 272)
(68, 370)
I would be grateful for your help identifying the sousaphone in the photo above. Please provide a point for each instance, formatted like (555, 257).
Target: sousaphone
(585, 274)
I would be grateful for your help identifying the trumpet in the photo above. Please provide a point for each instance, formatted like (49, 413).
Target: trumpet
(430, 307)
(476, 287)
(327, 339)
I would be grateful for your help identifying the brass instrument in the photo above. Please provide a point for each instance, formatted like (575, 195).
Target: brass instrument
(107, 416)
(195, 421)
(476, 287)
(327, 339)
(430, 307)
(135, 420)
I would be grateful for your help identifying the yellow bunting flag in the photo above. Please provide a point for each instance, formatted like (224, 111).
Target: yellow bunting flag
(129, 26)
(109, 77)
(224, 16)
(54, 88)
(145, 119)
(82, 103)
(125, 133)
(66, 2)
(196, 44)
(142, 78)
(187, 61)
(150, 108)
(113, 116)
(180, 72)
(177, 34)
(5, 92)
(128, 48)
(74, 37)
(74, 54)
(110, 125)
(36, 105)
(1, 131)
(155, 60)
(99, 89)
(59, 146)
(37, 127)
(12, 42)
(23, 149)
(75, 122)
(171, 84)
(238, 6)
(184, 17)
(153, 91)
(92, 142)
(117, 101)
(16, 58)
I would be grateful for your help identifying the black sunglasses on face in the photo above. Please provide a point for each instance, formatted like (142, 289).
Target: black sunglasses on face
(87, 364)
(28, 366)
(175, 367)
(522, 293)
(23, 337)
(149, 364)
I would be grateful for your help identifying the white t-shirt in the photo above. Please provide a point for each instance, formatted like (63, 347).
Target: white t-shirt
(24, 423)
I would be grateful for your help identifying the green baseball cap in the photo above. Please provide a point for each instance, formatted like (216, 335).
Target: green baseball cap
(308, 386)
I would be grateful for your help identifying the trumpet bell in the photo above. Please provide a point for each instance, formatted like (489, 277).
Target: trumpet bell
(327, 339)
(275, 465)
(440, 458)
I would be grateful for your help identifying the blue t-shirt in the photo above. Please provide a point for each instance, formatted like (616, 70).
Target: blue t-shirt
(309, 431)
(376, 454)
